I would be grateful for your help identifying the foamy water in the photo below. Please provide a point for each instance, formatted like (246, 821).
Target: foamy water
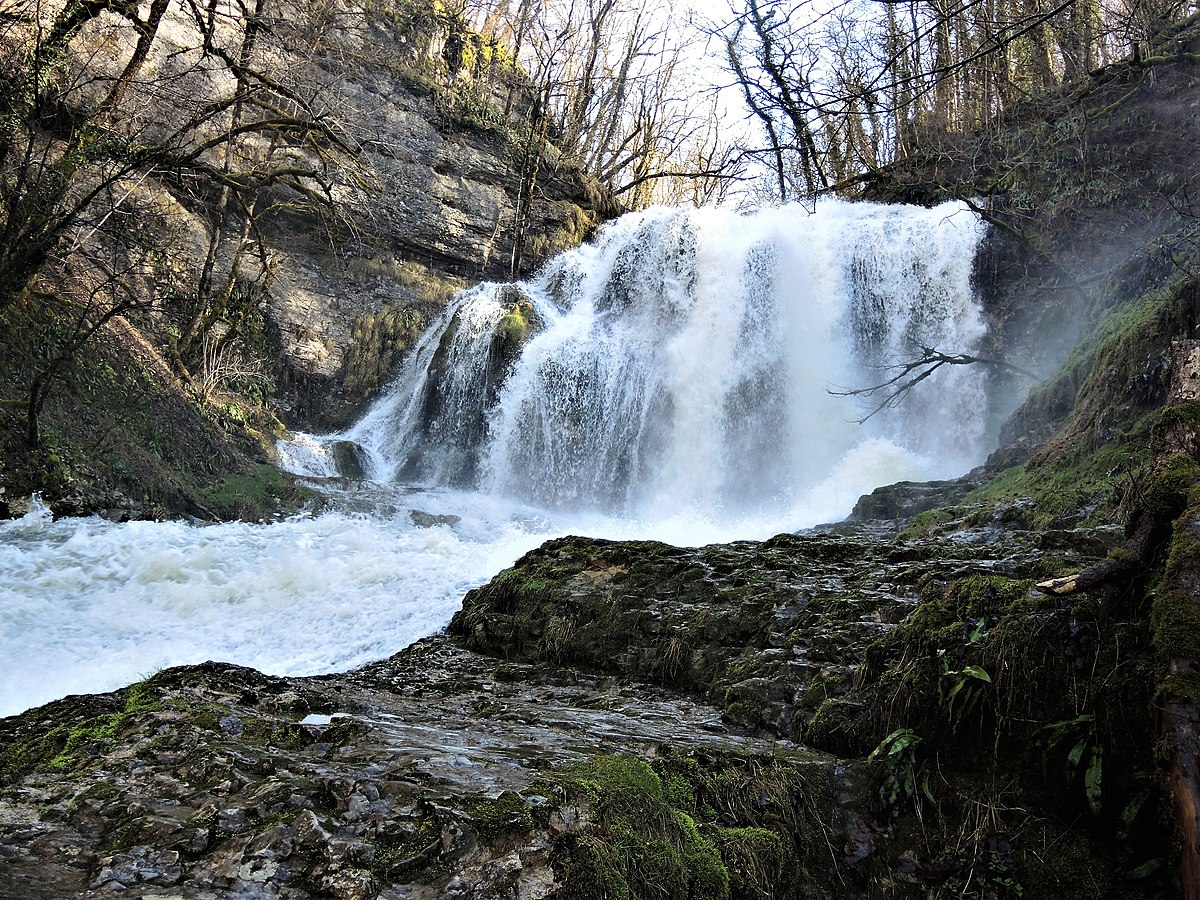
(88, 605)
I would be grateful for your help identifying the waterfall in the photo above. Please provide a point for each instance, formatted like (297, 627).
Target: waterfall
(684, 361)
(668, 380)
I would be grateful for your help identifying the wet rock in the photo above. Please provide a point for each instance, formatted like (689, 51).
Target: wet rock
(425, 789)
(307, 831)
(349, 459)
(906, 499)
(231, 819)
(428, 520)
(141, 865)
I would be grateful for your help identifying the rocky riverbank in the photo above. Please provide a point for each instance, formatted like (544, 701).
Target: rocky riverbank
(837, 714)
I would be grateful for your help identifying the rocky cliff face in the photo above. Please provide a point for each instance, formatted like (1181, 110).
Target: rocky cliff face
(431, 203)
(433, 188)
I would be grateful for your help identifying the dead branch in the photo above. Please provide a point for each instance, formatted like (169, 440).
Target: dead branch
(911, 373)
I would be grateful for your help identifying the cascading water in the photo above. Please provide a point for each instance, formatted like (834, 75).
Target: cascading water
(681, 364)
(669, 380)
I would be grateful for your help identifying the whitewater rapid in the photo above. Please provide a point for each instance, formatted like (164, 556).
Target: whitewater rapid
(89, 605)
(676, 386)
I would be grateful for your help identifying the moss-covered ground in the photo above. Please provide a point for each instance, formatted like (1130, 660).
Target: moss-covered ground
(682, 826)
(119, 432)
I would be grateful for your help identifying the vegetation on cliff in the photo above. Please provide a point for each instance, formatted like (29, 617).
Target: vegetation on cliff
(169, 213)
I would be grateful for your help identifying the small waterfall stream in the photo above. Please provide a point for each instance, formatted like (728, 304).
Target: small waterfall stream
(668, 380)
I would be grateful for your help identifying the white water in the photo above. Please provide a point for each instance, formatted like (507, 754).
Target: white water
(676, 390)
(684, 365)
(88, 605)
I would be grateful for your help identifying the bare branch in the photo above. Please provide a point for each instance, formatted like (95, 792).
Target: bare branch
(912, 372)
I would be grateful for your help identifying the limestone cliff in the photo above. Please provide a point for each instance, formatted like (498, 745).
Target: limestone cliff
(313, 272)
(431, 206)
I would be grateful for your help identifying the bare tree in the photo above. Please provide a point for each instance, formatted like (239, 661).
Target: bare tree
(840, 90)
(101, 98)
(906, 375)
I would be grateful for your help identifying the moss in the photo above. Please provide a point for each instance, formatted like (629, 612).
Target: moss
(1175, 418)
(821, 688)
(515, 328)
(378, 342)
(62, 735)
(747, 713)
(948, 613)
(678, 791)
(506, 814)
(1092, 483)
(1175, 617)
(409, 854)
(1167, 492)
(1105, 402)
(585, 870)
(927, 522)
(653, 829)
(977, 668)
(754, 858)
(836, 726)
(708, 878)
(255, 494)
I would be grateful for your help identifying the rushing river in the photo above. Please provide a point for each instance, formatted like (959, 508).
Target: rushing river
(675, 385)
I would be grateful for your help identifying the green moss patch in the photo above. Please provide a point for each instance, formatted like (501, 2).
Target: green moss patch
(1107, 401)
(63, 734)
(1175, 615)
(259, 492)
(681, 827)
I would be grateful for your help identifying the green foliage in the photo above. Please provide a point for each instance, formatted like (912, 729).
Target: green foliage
(903, 776)
(961, 689)
(1086, 754)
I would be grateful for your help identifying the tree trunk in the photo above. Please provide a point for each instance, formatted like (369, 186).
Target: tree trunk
(1176, 611)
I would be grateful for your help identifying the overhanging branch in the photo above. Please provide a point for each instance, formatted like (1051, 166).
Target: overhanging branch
(911, 373)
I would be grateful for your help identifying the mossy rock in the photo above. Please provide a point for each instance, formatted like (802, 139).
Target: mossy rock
(519, 323)
(719, 827)
(1104, 411)
(65, 733)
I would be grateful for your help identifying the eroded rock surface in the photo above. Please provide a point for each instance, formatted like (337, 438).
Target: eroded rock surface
(430, 774)
(772, 632)
(627, 716)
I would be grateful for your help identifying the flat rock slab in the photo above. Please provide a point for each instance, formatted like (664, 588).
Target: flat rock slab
(383, 782)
